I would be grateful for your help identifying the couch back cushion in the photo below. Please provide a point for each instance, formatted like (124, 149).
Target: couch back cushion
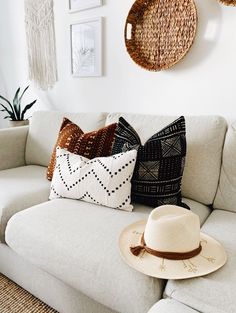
(205, 138)
(226, 193)
(44, 128)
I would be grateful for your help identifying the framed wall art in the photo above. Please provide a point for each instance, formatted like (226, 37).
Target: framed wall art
(86, 48)
(79, 5)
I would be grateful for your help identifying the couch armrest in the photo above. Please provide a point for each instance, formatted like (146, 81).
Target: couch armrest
(12, 147)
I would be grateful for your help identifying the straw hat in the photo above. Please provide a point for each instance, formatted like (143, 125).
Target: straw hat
(169, 245)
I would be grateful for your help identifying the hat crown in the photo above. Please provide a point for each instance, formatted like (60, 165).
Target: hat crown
(172, 229)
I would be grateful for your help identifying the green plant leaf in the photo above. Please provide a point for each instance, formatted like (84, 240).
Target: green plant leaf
(13, 111)
(7, 110)
(15, 99)
(23, 94)
(21, 99)
(16, 104)
(27, 107)
(7, 117)
(1, 97)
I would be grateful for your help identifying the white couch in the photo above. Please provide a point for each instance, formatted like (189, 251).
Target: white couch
(65, 252)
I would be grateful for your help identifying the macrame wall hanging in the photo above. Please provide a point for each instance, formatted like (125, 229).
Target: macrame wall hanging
(40, 35)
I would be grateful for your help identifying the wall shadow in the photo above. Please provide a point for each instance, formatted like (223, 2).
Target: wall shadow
(208, 33)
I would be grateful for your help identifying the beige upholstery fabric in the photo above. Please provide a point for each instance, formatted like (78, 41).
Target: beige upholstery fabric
(214, 293)
(81, 248)
(205, 137)
(21, 188)
(44, 128)
(226, 193)
(44, 286)
(170, 306)
(12, 147)
(201, 210)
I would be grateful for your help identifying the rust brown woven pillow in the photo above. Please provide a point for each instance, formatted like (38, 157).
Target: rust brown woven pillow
(90, 145)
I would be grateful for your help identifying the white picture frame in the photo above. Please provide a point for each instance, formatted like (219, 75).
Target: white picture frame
(80, 5)
(86, 48)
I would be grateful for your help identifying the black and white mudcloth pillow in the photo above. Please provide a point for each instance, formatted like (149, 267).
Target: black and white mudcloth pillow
(103, 181)
(160, 162)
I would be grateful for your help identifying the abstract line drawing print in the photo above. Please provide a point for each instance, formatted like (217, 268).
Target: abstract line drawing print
(83, 52)
(86, 48)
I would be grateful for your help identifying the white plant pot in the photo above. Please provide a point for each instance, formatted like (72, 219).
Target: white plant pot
(18, 123)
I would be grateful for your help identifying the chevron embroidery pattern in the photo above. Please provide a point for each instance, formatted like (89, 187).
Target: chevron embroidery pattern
(103, 181)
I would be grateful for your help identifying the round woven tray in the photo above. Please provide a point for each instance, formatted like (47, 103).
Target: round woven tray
(162, 32)
(229, 2)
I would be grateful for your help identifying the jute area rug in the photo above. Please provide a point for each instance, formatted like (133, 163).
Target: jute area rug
(14, 299)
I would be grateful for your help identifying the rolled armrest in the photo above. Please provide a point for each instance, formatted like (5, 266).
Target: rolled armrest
(12, 147)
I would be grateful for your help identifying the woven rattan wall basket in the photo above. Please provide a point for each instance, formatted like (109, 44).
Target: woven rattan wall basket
(158, 33)
(229, 2)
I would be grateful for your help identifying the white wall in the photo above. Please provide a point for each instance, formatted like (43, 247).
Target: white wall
(203, 83)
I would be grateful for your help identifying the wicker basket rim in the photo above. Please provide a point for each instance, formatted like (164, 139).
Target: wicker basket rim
(132, 19)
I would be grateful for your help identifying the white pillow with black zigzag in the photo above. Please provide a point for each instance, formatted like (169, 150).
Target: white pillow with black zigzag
(103, 181)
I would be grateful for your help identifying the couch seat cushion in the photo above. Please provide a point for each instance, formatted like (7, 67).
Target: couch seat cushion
(78, 243)
(21, 188)
(214, 292)
(170, 306)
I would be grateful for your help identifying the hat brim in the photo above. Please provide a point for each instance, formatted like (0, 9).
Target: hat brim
(211, 258)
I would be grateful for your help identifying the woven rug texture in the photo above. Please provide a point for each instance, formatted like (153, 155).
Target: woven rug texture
(14, 299)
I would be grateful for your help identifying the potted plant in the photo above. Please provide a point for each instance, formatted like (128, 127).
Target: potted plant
(14, 110)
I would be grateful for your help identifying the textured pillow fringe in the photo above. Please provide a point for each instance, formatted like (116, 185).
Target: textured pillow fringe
(40, 35)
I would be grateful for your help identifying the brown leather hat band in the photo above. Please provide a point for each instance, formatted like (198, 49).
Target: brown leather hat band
(165, 255)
